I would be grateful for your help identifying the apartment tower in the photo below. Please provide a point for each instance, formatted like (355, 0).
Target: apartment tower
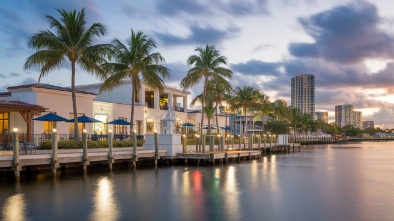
(322, 116)
(303, 93)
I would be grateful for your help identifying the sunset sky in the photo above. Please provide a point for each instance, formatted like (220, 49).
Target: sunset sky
(347, 45)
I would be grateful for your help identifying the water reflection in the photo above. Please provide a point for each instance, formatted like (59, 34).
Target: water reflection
(14, 208)
(231, 195)
(105, 205)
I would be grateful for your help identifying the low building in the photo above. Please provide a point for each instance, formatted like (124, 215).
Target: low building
(368, 124)
(322, 116)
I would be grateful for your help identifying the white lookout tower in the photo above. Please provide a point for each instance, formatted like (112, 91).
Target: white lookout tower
(168, 121)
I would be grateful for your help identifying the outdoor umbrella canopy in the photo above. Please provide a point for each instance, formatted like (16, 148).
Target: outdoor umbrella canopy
(119, 122)
(206, 127)
(85, 119)
(50, 117)
(225, 128)
(187, 124)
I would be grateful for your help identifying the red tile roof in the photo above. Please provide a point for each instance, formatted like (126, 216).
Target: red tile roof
(4, 103)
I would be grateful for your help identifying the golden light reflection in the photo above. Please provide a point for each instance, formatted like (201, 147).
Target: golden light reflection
(14, 208)
(105, 206)
(186, 182)
(254, 176)
(231, 195)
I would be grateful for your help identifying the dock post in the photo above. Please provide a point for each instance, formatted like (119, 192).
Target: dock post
(232, 142)
(184, 143)
(219, 143)
(265, 144)
(259, 143)
(157, 156)
(239, 141)
(15, 148)
(222, 143)
(55, 164)
(293, 148)
(226, 158)
(239, 157)
(228, 141)
(270, 143)
(197, 143)
(135, 157)
(110, 148)
(211, 147)
(251, 143)
(85, 161)
(203, 143)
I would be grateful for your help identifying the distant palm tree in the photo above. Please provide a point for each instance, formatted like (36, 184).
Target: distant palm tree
(136, 63)
(72, 41)
(207, 66)
(248, 99)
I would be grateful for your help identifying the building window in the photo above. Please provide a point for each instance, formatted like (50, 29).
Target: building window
(4, 122)
(150, 126)
(100, 128)
(121, 129)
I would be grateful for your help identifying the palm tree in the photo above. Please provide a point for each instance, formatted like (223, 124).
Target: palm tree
(248, 99)
(136, 63)
(207, 65)
(70, 40)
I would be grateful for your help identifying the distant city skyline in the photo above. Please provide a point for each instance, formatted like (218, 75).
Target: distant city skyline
(347, 44)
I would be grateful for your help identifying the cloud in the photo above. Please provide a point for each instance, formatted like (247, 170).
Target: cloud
(229, 7)
(15, 75)
(178, 71)
(256, 67)
(199, 36)
(345, 34)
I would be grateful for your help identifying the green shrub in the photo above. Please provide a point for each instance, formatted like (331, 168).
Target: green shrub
(70, 144)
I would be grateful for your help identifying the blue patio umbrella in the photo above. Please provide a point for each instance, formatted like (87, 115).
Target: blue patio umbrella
(50, 117)
(84, 119)
(187, 124)
(206, 127)
(119, 122)
(225, 128)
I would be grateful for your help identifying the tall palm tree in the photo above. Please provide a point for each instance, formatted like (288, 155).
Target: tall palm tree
(135, 62)
(206, 66)
(220, 92)
(70, 40)
(248, 99)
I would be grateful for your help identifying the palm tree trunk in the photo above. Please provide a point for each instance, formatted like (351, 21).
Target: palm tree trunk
(217, 122)
(202, 106)
(74, 101)
(132, 111)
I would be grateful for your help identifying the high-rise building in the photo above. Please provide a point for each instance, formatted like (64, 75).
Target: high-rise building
(344, 115)
(368, 124)
(358, 119)
(322, 116)
(303, 93)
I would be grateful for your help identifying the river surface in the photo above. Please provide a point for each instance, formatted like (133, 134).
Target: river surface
(323, 182)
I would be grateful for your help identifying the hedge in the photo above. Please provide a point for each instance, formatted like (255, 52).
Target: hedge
(69, 144)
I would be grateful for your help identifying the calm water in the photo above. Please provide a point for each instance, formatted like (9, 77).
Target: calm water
(328, 182)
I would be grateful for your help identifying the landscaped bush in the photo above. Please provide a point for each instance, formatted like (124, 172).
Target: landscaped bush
(70, 144)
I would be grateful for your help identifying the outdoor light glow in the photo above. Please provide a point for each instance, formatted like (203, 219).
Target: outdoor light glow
(135, 131)
(109, 131)
(183, 135)
(54, 130)
(15, 129)
(155, 131)
(84, 130)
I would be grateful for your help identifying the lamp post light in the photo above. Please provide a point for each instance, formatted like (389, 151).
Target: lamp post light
(239, 141)
(157, 157)
(197, 137)
(265, 142)
(110, 148)
(55, 164)
(219, 144)
(228, 141)
(184, 143)
(15, 148)
(85, 161)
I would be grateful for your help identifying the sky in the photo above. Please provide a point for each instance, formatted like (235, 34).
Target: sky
(346, 44)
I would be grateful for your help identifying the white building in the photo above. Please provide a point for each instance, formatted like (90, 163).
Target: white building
(108, 106)
(322, 116)
(344, 115)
